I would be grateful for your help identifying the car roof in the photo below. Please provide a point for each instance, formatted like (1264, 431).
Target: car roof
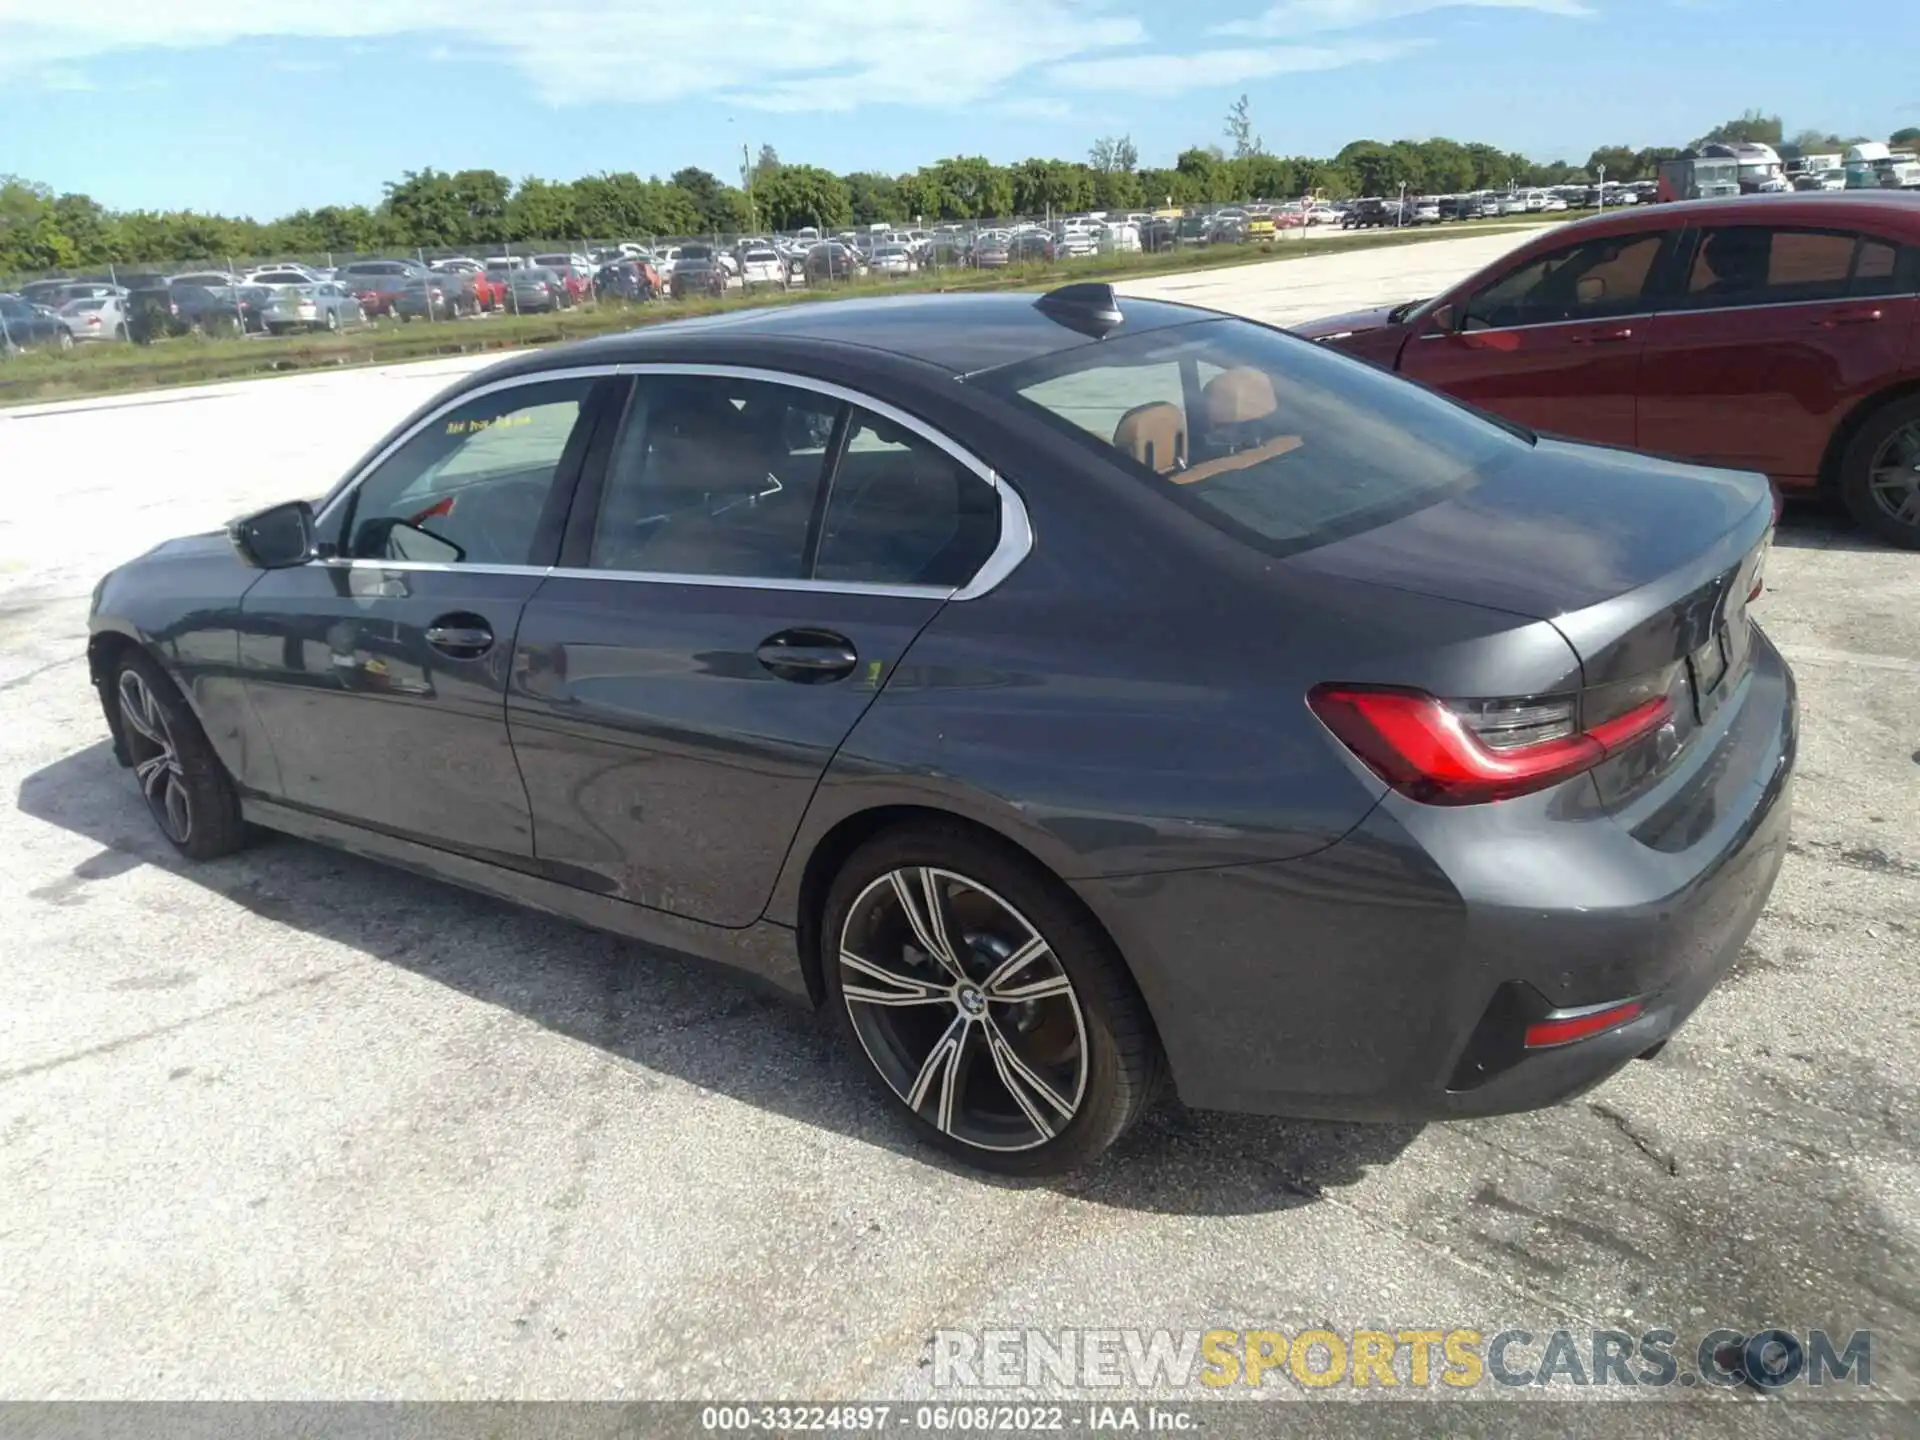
(1844, 207)
(959, 334)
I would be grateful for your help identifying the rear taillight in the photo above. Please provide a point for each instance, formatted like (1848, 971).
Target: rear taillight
(1472, 752)
(1565, 1028)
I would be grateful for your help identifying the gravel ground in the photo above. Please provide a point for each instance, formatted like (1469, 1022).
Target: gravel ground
(291, 1125)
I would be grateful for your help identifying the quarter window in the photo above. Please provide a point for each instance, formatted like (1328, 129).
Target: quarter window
(1762, 265)
(470, 486)
(904, 512)
(1593, 281)
(715, 476)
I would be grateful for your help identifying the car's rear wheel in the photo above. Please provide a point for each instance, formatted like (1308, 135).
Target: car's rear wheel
(1880, 474)
(188, 791)
(985, 1002)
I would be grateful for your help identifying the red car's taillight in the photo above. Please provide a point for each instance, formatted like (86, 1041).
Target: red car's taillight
(1438, 754)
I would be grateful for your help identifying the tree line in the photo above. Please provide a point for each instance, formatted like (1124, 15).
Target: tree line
(472, 209)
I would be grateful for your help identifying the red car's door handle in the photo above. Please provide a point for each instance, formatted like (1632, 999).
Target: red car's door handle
(1605, 337)
(1847, 317)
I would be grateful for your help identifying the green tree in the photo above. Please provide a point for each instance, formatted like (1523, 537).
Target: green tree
(968, 187)
(1754, 127)
(544, 210)
(1620, 162)
(796, 195)
(1905, 135)
(874, 199)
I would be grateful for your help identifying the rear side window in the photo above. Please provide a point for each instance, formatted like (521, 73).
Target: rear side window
(1762, 265)
(904, 512)
(714, 475)
(1591, 281)
(1276, 440)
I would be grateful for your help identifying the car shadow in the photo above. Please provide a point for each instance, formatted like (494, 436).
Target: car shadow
(1821, 525)
(672, 1015)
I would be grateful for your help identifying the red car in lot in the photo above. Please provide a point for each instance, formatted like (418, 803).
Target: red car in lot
(1771, 332)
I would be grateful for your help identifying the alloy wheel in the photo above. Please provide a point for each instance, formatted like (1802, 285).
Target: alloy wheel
(156, 760)
(1893, 479)
(964, 1009)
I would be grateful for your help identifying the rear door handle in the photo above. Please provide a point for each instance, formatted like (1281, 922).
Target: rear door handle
(1605, 337)
(1848, 317)
(808, 657)
(464, 637)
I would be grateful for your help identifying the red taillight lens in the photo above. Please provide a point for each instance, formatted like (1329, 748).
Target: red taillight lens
(1427, 751)
(1544, 1034)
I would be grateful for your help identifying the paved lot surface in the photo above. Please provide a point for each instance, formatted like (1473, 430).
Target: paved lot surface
(293, 1125)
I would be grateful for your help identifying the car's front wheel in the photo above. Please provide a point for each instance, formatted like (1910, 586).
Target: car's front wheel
(985, 1002)
(188, 791)
(1880, 474)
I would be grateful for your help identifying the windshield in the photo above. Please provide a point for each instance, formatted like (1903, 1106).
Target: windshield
(1273, 439)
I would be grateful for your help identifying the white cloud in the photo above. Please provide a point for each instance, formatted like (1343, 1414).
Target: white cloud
(1173, 74)
(768, 54)
(1036, 107)
(1291, 18)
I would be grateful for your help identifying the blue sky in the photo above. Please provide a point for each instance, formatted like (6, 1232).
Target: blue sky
(264, 107)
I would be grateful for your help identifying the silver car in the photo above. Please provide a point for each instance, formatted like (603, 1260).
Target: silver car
(98, 317)
(325, 306)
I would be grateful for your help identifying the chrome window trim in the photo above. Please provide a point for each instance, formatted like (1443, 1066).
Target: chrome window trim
(1013, 547)
(1543, 325)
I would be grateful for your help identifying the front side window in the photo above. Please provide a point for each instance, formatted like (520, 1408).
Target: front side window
(470, 486)
(1761, 265)
(714, 475)
(1273, 439)
(1592, 281)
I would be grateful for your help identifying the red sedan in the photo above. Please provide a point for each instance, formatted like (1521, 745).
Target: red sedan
(1771, 332)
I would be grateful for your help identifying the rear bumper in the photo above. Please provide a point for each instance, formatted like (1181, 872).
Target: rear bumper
(1374, 979)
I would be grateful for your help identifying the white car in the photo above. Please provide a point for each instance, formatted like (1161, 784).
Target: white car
(1077, 240)
(890, 260)
(1554, 202)
(1513, 204)
(98, 317)
(762, 266)
(287, 274)
(1120, 235)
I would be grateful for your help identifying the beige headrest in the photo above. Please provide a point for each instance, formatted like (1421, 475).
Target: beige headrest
(1155, 435)
(1238, 395)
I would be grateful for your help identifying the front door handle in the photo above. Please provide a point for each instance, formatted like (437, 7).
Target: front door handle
(1605, 337)
(464, 637)
(808, 657)
(1848, 317)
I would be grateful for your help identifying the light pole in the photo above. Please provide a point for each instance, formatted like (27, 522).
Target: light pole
(1602, 191)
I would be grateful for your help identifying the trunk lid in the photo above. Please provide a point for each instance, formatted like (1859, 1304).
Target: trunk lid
(1643, 565)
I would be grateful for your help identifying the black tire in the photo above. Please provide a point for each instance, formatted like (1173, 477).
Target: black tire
(1856, 475)
(1122, 1066)
(169, 738)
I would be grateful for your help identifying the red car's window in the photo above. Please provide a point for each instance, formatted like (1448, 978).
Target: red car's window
(1589, 281)
(1763, 265)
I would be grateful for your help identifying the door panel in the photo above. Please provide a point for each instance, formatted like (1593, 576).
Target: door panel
(372, 723)
(1762, 389)
(1554, 342)
(379, 672)
(1778, 333)
(662, 754)
(1576, 380)
(755, 558)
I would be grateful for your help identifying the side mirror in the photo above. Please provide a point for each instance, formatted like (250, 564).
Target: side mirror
(1443, 319)
(277, 538)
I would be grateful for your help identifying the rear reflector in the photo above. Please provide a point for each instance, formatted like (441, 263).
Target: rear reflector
(1481, 751)
(1545, 1034)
